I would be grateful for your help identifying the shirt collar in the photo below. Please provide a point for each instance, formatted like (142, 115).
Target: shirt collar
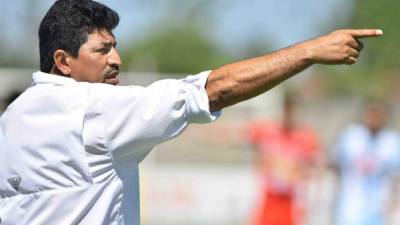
(41, 77)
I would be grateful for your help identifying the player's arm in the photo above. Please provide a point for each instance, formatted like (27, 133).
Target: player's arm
(242, 80)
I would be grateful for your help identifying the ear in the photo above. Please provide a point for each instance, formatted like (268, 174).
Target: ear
(61, 62)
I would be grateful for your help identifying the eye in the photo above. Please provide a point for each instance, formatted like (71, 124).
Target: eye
(104, 50)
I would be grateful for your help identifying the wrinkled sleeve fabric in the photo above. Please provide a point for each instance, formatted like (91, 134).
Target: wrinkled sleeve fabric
(138, 118)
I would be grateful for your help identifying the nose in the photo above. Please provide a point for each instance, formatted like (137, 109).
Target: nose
(114, 58)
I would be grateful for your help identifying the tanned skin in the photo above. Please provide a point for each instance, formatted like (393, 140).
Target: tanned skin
(243, 80)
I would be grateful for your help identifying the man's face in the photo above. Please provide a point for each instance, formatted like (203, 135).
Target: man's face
(98, 60)
(375, 117)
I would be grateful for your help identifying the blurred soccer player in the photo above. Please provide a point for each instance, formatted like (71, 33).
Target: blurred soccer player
(367, 157)
(286, 151)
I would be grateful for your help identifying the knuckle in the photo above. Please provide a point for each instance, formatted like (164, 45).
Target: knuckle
(347, 51)
(346, 55)
(352, 60)
(343, 57)
(349, 39)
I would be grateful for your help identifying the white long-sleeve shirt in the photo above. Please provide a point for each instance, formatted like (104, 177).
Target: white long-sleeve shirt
(69, 151)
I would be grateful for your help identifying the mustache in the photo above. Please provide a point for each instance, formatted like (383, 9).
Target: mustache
(114, 67)
(113, 70)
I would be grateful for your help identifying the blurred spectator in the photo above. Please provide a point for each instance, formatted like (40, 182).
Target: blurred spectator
(366, 157)
(10, 98)
(285, 154)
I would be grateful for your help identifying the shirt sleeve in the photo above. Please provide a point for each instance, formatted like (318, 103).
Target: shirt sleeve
(138, 118)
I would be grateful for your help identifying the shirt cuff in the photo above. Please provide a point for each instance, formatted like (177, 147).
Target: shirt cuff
(198, 105)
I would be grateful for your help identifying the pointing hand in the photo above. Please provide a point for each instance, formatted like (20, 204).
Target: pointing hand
(339, 47)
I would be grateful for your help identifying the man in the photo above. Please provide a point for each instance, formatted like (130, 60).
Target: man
(367, 157)
(71, 143)
(285, 154)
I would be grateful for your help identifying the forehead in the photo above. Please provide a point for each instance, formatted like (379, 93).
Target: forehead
(100, 37)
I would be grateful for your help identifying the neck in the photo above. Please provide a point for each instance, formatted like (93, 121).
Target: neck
(56, 71)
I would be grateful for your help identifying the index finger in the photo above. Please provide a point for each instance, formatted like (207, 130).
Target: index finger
(364, 33)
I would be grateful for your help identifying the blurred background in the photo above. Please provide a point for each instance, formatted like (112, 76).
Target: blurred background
(226, 173)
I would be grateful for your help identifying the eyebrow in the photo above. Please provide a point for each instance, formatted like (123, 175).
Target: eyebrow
(106, 44)
(109, 43)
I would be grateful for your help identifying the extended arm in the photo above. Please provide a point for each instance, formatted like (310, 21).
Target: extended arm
(243, 80)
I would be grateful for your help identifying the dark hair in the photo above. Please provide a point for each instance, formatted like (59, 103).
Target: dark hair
(67, 24)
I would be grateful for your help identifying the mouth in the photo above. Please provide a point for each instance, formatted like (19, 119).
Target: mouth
(111, 78)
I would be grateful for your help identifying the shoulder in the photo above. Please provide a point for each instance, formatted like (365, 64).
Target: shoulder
(354, 130)
(390, 135)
